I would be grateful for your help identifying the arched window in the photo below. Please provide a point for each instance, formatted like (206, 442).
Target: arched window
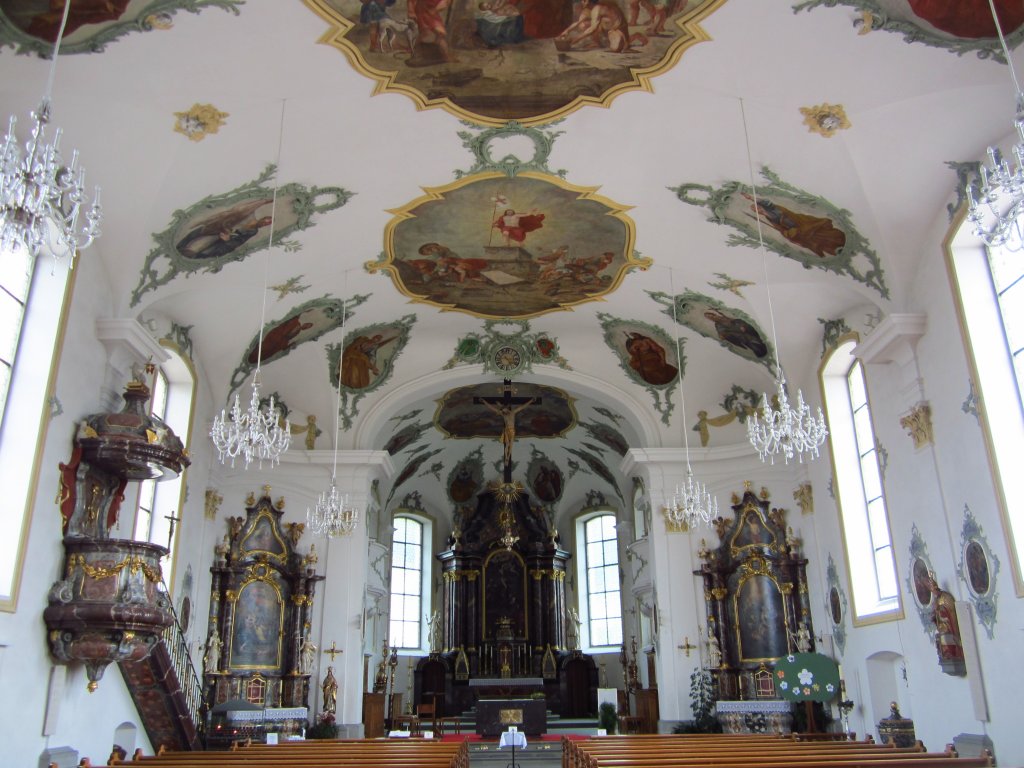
(859, 490)
(989, 291)
(600, 595)
(410, 580)
(33, 313)
(172, 389)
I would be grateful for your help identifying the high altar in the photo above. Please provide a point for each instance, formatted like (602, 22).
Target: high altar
(504, 613)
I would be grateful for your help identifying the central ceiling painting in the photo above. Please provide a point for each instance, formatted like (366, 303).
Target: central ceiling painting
(497, 60)
(500, 247)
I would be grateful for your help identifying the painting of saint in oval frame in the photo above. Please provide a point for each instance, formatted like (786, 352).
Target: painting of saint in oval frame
(533, 61)
(511, 248)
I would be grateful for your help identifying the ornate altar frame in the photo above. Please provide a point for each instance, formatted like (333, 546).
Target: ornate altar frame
(755, 588)
(261, 601)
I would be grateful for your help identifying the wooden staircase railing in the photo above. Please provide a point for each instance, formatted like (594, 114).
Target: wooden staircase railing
(168, 692)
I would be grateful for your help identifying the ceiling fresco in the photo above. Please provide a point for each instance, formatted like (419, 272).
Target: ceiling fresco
(793, 223)
(229, 226)
(961, 26)
(32, 25)
(552, 413)
(500, 247)
(648, 355)
(533, 61)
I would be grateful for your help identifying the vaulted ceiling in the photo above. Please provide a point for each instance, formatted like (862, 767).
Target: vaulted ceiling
(391, 177)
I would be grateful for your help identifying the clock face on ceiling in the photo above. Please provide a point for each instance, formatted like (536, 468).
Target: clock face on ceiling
(508, 359)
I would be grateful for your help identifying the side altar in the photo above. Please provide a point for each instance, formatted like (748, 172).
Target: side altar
(755, 588)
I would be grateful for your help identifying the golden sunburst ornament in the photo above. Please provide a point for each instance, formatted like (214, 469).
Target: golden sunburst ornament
(200, 121)
(825, 119)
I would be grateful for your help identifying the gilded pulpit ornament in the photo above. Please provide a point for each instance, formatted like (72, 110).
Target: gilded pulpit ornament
(825, 119)
(918, 423)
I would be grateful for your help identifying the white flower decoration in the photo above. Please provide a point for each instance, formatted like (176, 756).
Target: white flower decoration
(830, 688)
(806, 677)
(784, 685)
(791, 658)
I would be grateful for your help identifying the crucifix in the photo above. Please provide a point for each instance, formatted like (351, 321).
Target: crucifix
(686, 646)
(506, 407)
(170, 533)
(333, 651)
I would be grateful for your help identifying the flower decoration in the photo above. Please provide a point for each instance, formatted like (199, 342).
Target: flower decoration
(806, 676)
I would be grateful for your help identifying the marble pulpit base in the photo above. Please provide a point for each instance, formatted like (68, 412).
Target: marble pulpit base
(770, 716)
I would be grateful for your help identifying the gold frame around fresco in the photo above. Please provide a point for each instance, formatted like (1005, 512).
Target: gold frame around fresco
(617, 211)
(689, 27)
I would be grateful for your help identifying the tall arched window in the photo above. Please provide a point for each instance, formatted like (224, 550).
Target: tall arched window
(989, 290)
(600, 595)
(410, 579)
(33, 311)
(859, 489)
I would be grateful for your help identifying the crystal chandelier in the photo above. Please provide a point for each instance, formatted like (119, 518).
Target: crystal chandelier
(1000, 202)
(41, 198)
(333, 515)
(775, 427)
(691, 505)
(258, 434)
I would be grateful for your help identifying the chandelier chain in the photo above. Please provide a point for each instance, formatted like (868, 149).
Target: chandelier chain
(691, 504)
(258, 434)
(774, 427)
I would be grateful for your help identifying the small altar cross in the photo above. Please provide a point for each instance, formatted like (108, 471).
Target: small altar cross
(686, 646)
(333, 651)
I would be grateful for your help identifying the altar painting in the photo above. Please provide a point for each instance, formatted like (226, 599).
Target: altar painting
(504, 592)
(510, 248)
(761, 620)
(258, 623)
(499, 60)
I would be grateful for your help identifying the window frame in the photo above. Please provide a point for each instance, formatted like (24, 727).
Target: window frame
(180, 407)
(993, 377)
(856, 528)
(425, 594)
(583, 568)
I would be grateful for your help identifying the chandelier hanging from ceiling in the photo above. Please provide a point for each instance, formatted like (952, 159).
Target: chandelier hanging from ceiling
(775, 428)
(333, 515)
(260, 433)
(996, 210)
(691, 505)
(41, 198)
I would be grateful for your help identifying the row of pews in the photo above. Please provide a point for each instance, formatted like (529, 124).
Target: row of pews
(415, 753)
(753, 751)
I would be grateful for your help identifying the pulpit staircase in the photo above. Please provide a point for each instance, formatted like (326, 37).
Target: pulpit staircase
(168, 692)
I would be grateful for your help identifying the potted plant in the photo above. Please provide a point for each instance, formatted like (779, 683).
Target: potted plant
(702, 701)
(607, 717)
(325, 728)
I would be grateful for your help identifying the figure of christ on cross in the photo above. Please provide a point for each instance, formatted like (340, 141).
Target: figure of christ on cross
(507, 407)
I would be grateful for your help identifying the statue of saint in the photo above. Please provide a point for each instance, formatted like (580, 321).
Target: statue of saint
(211, 661)
(307, 654)
(572, 629)
(947, 628)
(330, 691)
(802, 638)
(714, 650)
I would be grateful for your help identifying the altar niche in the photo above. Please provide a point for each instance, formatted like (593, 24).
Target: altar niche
(261, 600)
(504, 609)
(755, 590)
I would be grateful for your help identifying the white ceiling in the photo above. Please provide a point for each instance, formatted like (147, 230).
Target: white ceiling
(912, 108)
